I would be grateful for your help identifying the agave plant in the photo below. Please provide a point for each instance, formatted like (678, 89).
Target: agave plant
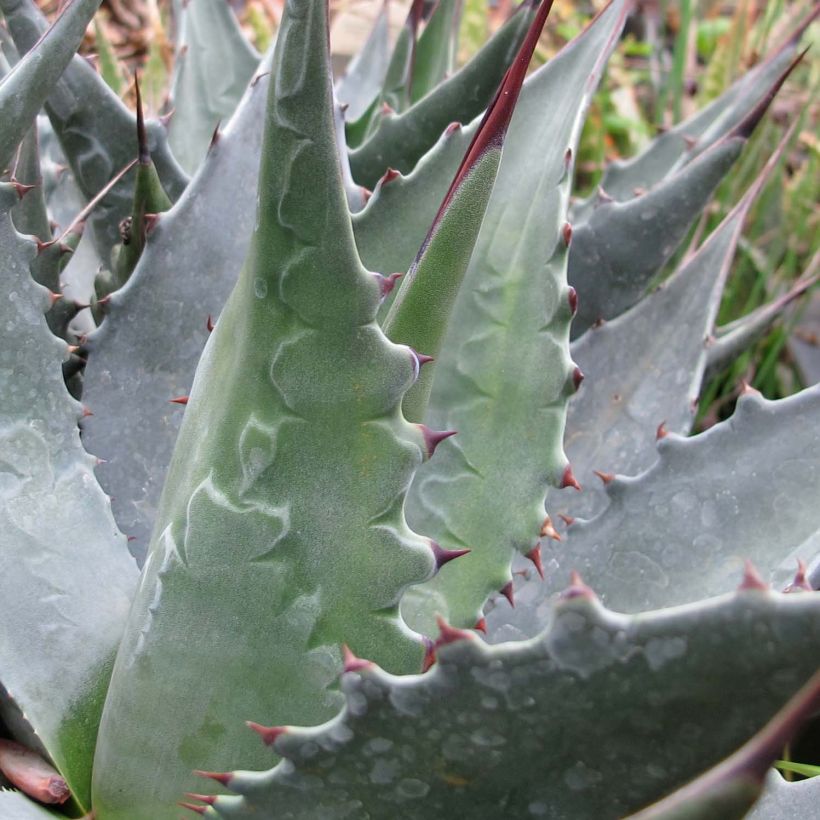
(332, 483)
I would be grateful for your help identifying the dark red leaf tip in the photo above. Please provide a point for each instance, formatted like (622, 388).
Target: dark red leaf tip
(577, 377)
(508, 593)
(567, 519)
(577, 588)
(387, 283)
(661, 432)
(386, 110)
(209, 323)
(208, 799)
(800, 582)
(179, 400)
(566, 234)
(22, 189)
(432, 438)
(267, 733)
(548, 530)
(429, 654)
(481, 625)
(450, 634)
(751, 578)
(535, 556)
(389, 175)
(572, 298)
(352, 663)
(443, 556)
(568, 479)
(220, 777)
(452, 128)
(607, 478)
(192, 807)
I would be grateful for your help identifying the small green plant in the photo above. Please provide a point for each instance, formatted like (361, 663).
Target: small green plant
(336, 412)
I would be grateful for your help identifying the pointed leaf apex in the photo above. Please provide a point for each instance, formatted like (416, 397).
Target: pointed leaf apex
(432, 438)
(208, 799)
(481, 625)
(507, 592)
(607, 478)
(566, 234)
(548, 530)
(192, 807)
(179, 400)
(661, 431)
(568, 479)
(352, 663)
(267, 733)
(535, 556)
(220, 777)
(443, 556)
(751, 578)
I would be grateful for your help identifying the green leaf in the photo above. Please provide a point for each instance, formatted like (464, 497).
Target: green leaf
(24, 89)
(744, 489)
(783, 800)
(436, 49)
(729, 790)
(400, 140)
(109, 67)
(592, 718)
(16, 806)
(96, 131)
(66, 578)
(504, 374)
(280, 531)
(214, 64)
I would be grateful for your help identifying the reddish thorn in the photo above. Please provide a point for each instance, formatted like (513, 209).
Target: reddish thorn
(599, 322)
(221, 777)
(386, 110)
(366, 194)
(165, 119)
(98, 461)
(548, 530)
(267, 733)
(607, 478)
(192, 807)
(422, 358)
(747, 390)
(800, 582)
(507, 592)
(53, 298)
(215, 137)
(751, 578)
(131, 538)
(387, 283)
(21, 188)
(41, 246)
(639, 191)
(101, 304)
(568, 479)
(577, 377)
(603, 196)
(566, 234)
(572, 298)
(535, 556)
(661, 432)
(86, 412)
(343, 107)
(389, 175)
(443, 556)
(691, 142)
(209, 323)
(71, 349)
(429, 654)
(450, 634)
(432, 438)
(568, 157)
(452, 128)
(567, 519)
(210, 799)
(179, 400)
(150, 222)
(351, 663)
(577, 588)
(481, 625)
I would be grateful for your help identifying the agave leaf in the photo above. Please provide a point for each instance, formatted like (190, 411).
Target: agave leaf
(282, 513)
(559, 726)
(147, 349)
(421, 311)
(366, 72)
(214, 64)
(26, 86)
(738, 336)
(396, 89)
(730, 789)
(96, 131)
(66, 579)
(400, 140)
(675, 148)
(16, 806)
(504, 374)
(646, 367)
(783, 800)
(436, 49)
(109, 67)
(683, 528)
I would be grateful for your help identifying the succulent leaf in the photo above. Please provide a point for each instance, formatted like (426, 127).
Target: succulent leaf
(646, 366)
(16, 806)
(214, 64)
(436, 49)
(783, 800)
(509, 729)
(26, 86)
(400, 140)
(147, 349)
(66, 578)
(504, 374)
(682, 529)
(286, 486)
(96, 131)
(729, 790)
